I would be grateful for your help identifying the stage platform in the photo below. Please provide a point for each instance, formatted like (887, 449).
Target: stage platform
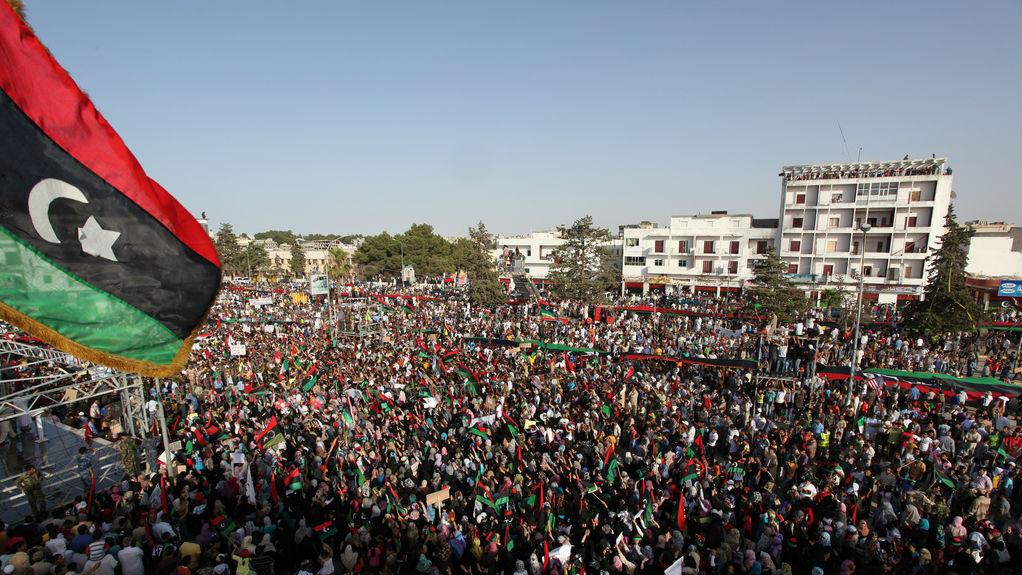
(55, 459)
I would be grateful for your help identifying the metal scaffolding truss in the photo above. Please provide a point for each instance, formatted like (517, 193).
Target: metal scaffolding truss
(351, 320)
(73, 381)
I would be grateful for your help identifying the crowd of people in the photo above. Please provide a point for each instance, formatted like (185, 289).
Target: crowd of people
(433, 436)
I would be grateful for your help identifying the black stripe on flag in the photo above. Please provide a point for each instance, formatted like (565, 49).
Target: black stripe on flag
(168, 280)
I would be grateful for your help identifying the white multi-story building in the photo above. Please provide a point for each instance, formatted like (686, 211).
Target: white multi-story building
(824, 206)
(995, 254)
(535, 251)
(535, 248)
(995, 250)
(704, 253)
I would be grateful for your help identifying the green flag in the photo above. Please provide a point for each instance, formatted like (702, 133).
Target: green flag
(309, 384)
(612, 470)
(944, 479)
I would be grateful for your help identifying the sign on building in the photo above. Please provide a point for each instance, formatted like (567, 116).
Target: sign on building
(319, 284)
(1010, 288)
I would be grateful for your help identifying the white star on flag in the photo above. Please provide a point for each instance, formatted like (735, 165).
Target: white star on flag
(96, 241)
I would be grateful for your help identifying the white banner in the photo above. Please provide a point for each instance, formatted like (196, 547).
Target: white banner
(238, 349)
(319, 284)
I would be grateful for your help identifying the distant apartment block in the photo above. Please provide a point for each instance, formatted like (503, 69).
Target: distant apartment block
(824, 206)
(703, 253)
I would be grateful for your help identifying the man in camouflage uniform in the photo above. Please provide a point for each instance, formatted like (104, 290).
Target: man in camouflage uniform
(129, 455)
(31, 484)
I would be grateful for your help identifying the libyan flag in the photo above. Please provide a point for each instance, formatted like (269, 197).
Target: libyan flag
(98, 259)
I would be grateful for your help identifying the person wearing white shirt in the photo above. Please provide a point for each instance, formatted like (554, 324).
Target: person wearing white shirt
(130, 558)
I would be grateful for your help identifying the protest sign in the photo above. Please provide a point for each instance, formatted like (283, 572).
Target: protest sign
(238, 349)
(438, 497)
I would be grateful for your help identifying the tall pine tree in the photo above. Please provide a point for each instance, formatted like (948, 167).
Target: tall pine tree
(576, 271)
(774, 292)
(948, 306)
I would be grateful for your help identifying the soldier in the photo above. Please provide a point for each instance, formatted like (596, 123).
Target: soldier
(129, 455)
(84, 463)
(31, 484)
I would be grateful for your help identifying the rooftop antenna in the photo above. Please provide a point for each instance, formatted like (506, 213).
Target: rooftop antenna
(844, 141)
(859, 157)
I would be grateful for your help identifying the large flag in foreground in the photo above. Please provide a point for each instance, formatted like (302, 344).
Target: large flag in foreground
(95, 258)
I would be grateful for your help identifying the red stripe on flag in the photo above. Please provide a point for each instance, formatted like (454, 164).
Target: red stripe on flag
(47, 94)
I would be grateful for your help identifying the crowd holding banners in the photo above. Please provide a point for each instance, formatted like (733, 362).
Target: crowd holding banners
(640, 444)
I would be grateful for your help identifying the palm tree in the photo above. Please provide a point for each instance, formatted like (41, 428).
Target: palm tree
(338, 263)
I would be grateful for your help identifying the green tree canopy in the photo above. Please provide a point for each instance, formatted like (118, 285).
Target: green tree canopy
(379, 256)
(227, 249)
(278, 236)
(297, 260)
(472, 254)
(948, 306)
(422, 248)
(253, 258)
(774, 292)
(321, 237)
(338, 263)
(577, 262)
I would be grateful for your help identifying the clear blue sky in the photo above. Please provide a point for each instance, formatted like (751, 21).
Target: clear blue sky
(355, 117)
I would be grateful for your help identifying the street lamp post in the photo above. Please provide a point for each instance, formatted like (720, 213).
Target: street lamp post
(858, 314)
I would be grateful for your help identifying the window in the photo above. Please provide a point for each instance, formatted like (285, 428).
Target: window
(836, 198)
(635, 261)
(732, 267)
(761, 247)
(910, 247)
(734, 247)
(796, 222)
(631, 242)
(880, 247)
(831, 246)
(877, 190)
(707, 267)
(910, 222)
(915, 195)
(658, 263)
(834, 222)
(792, 268)
(658, 246)
(828, 269)
(682, 263)
(796, 246)
(708, 247)
(867, 271)
(855, 248)
(683, 247)
(908, 272)
(800, 198)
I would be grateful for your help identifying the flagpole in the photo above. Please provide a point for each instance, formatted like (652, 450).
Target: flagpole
(163, 428)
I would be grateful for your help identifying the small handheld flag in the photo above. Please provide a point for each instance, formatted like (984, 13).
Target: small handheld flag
(100, 261)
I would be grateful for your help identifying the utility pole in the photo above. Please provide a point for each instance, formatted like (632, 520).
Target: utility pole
(858, 315)
(163, 428)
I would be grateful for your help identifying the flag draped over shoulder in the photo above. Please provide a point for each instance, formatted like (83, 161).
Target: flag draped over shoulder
(99, 260)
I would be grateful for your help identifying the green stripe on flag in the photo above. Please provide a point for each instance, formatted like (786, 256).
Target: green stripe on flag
(37, 287)
(310, 384)
(480, 433)
(612, 470)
